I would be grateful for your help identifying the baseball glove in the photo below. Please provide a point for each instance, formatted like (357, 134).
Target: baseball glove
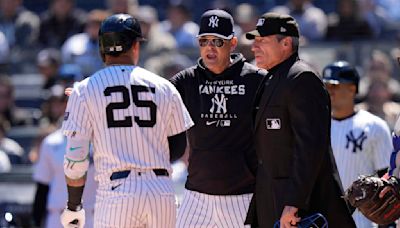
(364, 195)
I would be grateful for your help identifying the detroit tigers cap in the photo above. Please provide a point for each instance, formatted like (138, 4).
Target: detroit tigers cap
(275, 23)
(217, 23)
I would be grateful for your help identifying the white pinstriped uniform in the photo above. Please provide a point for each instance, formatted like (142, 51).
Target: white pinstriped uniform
(203, 210)
(49, 170)
(361, 144)
(127, 113)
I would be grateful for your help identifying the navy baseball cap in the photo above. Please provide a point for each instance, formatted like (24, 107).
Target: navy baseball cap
(340, 72)
(275, 23)
(217, 23)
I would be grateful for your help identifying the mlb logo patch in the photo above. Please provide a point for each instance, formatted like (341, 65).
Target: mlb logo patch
(225, 123)
(273, 124)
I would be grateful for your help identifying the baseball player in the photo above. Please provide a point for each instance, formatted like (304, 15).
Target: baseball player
(51, 193)
(136, 122)
(218, 93)
(361, 141)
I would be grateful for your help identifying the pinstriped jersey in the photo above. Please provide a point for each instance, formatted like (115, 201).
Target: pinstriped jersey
(361, 144)
(127, 113)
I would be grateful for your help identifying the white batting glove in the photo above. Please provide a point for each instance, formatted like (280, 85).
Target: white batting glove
(73, 219)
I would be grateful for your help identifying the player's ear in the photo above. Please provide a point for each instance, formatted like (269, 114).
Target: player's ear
(234, 42)
(353, 89)
(136, 50)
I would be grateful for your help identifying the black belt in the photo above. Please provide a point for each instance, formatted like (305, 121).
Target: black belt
(125, 173)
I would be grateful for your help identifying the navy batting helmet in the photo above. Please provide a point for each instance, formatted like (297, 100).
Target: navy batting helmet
(117, 33)
(340, 72)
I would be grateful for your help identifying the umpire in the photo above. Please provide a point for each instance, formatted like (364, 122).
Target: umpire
(218, 93)
(297, 174)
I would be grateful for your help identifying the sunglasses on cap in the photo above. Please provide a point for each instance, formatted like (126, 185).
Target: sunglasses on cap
(214, 42)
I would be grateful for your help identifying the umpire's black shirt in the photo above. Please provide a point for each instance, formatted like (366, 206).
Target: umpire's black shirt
(222, 160)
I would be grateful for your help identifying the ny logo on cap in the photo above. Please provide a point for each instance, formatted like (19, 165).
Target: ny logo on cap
(283, 29)
(328, 72)
(213, 21)
(260, 22)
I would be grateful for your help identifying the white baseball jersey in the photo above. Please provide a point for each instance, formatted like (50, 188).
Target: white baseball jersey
(127, 113)
(49, 170)
(361, 144)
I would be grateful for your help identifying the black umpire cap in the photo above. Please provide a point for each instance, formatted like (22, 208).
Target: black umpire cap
(275, 23)
(217, 23)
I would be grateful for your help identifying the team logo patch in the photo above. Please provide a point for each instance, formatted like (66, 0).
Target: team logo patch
(283, 29)
(356, 141)
(273, 124)
(218, 104)
(66, 115)
(260, 22)
(213, 22)
(328, 73)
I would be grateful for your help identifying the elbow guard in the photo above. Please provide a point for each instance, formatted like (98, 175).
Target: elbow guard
(76, 158)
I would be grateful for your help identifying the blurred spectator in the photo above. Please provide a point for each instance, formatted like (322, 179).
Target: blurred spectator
(5, 165)
(312, 20)
(19, 25)
(378, 101)
(179, 24)
(380, 67)
(70, 73)
(391, 8)
(48, 61)
(59, 22)
(8, 111)
(375, 16)
(54, 106)
(347, 23)
(244, 47)
(157, 40)
(83, 49)
(10, 147)
(245, 17)
(167, 64)
(4, 52)
(122, 6)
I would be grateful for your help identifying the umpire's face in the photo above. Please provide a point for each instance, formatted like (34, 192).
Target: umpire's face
(269, 51)
(216, 51)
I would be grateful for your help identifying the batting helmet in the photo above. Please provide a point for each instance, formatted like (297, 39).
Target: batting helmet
(117, 33)
(340, 72)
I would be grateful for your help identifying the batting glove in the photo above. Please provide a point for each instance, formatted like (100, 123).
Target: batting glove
(73, 219)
